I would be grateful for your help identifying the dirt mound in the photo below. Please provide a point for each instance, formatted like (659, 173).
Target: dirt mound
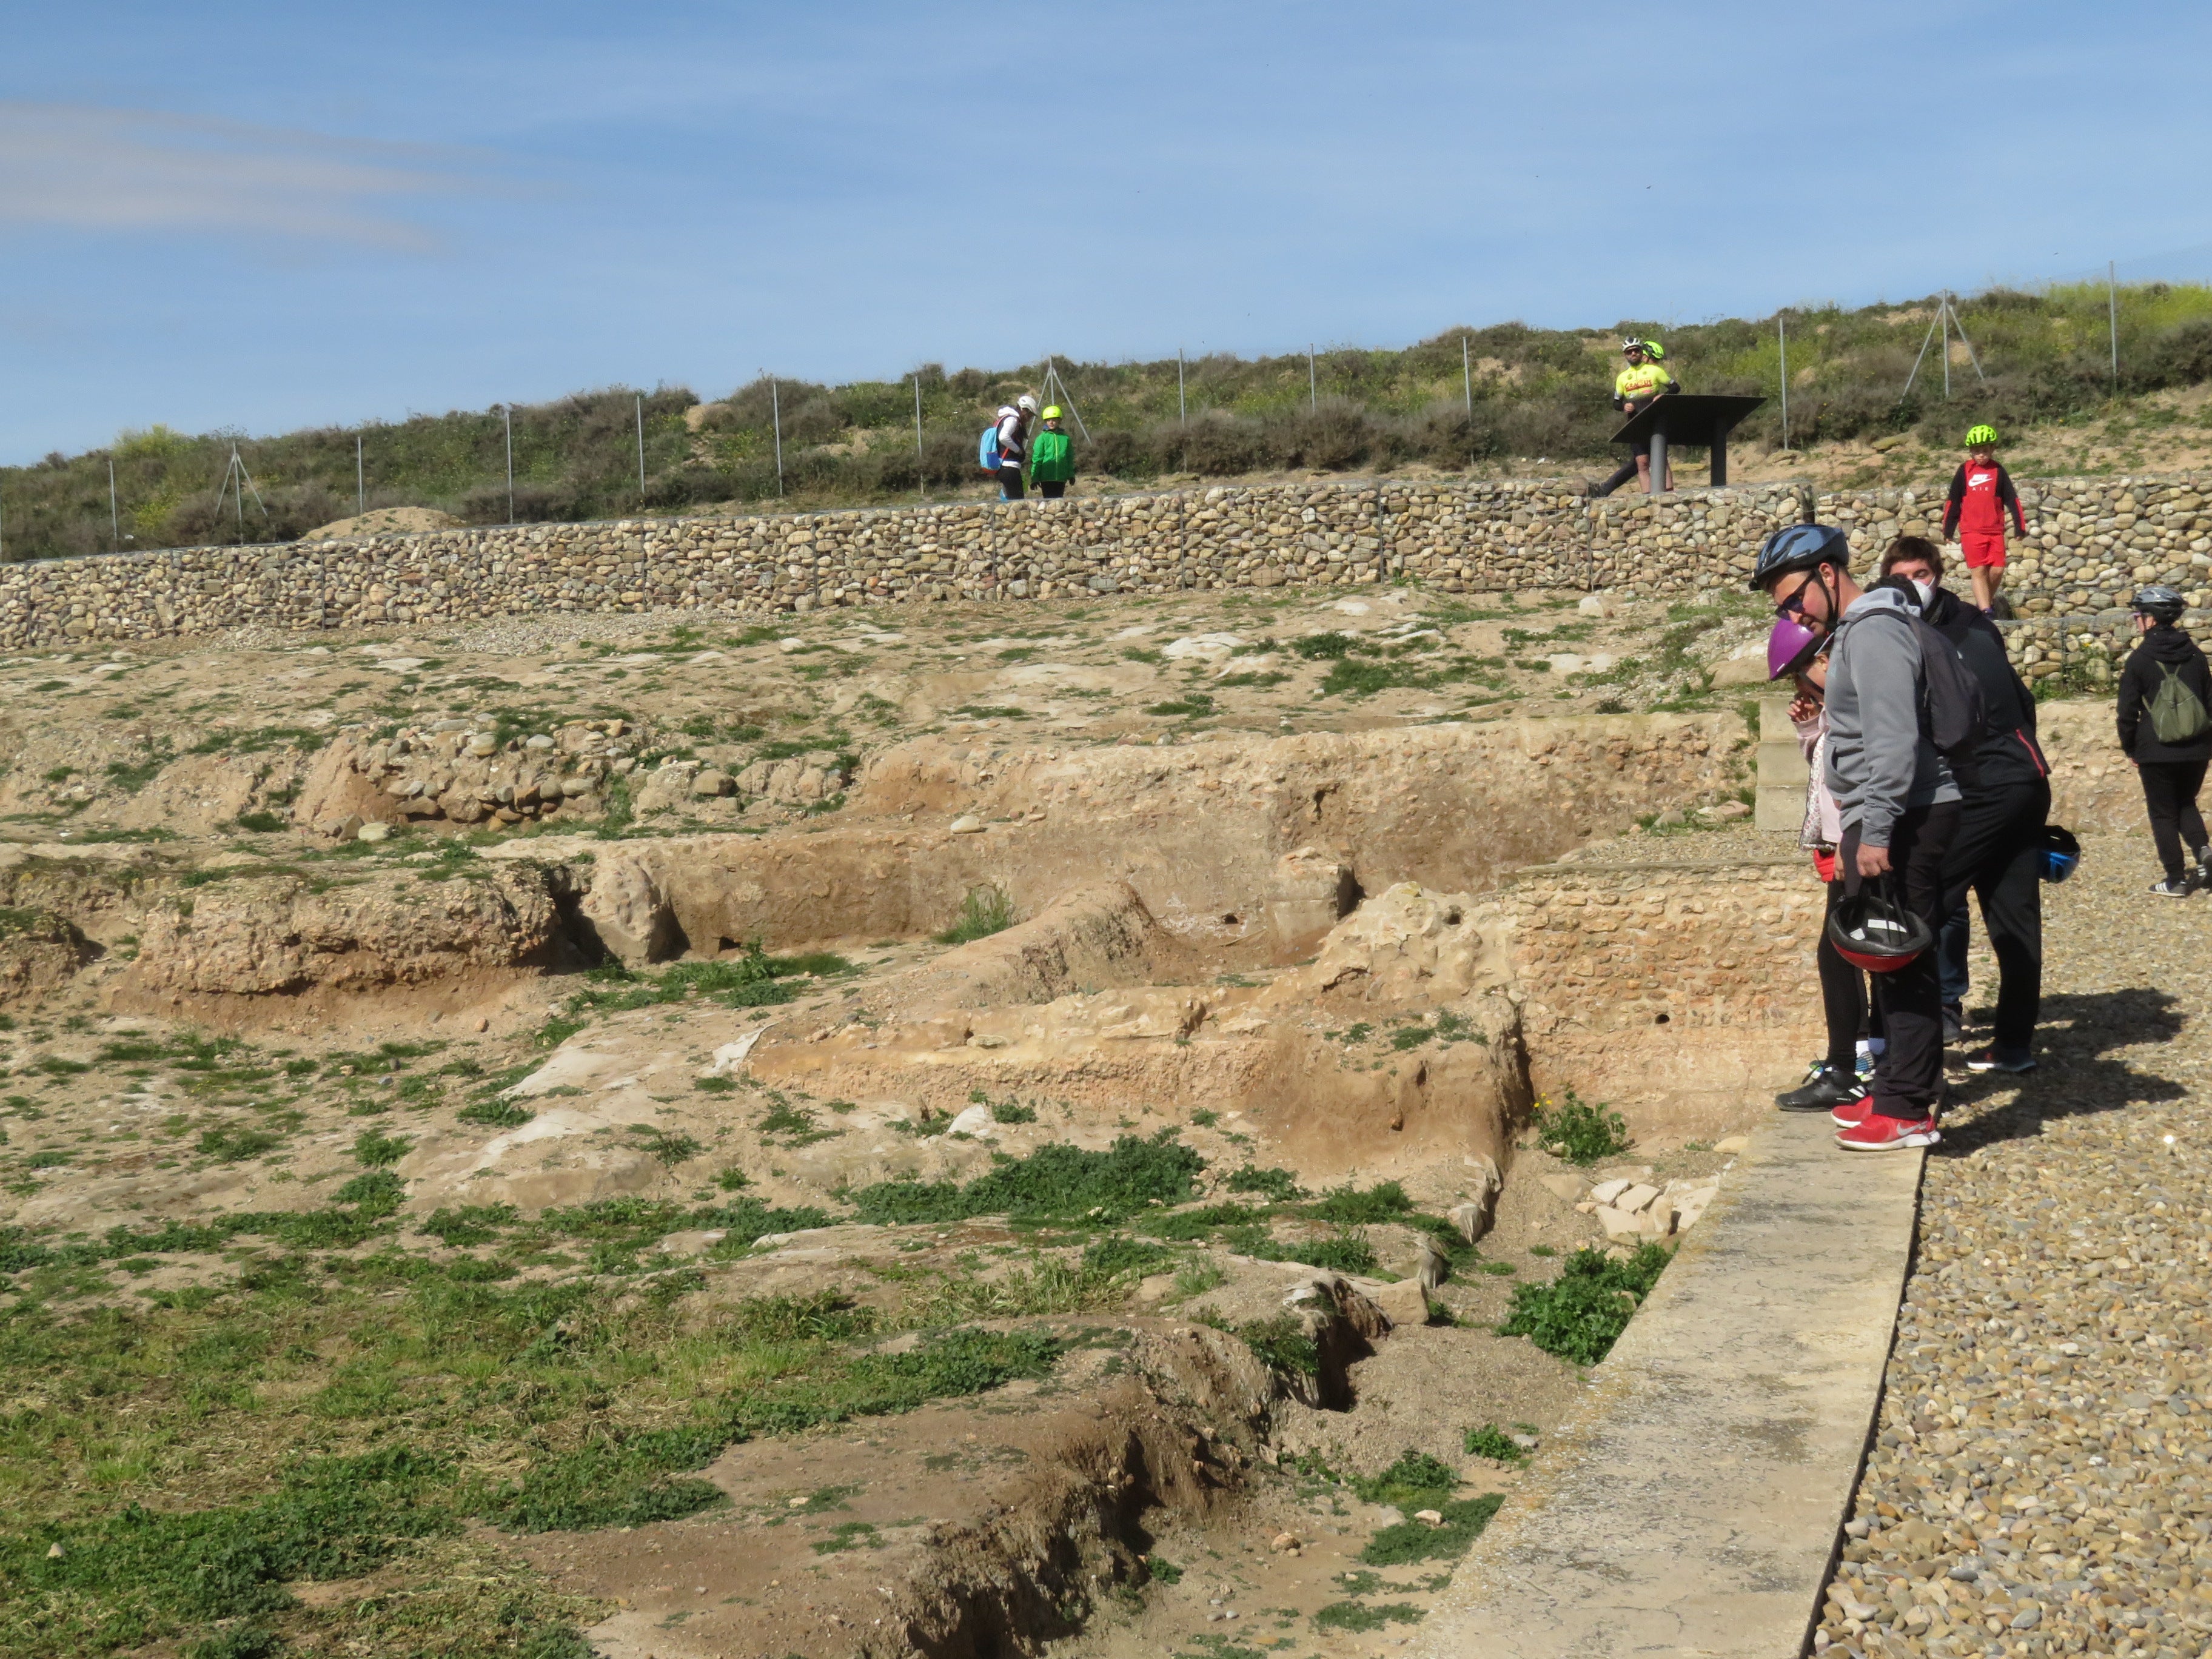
(384, 521)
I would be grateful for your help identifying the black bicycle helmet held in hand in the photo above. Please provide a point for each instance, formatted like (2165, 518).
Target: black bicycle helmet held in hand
(1871, 930)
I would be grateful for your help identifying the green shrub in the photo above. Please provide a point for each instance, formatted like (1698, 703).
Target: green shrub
(1350, 1207)
(1582, 1313)
(233, 1146)
(470, 1224)
(1348, 1254)
(496, 1114)
(1113, 1257)
(375, 1192)
(1282, 1343)
(377, 1149)
(1162, 1571)
(1279, 1185)
(262, 823)
(1409, 1541)
(669, 1148)
(1056, 1181)
(986, 910)
(1491, 1442)
(1416, 1481)
(1360, 1616)
(1577, 1131)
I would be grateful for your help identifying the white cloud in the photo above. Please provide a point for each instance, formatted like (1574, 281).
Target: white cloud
(95, 168)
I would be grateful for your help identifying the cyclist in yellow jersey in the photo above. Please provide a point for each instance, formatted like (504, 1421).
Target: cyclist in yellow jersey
(1645, 378)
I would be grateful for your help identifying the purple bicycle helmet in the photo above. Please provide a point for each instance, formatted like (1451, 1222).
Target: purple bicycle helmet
(1790, 648)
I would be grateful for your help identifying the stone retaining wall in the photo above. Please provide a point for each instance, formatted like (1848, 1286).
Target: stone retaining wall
(2093, 541)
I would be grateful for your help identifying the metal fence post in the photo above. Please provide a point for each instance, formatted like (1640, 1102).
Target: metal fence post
(114, 517)
(1182, 409)
(921, 460)
(1467, 375)
(360, 479)
(776, 415)
(506, 412)
(2112, 303)
(1782, 342)
(641, 446)
(1313, 385)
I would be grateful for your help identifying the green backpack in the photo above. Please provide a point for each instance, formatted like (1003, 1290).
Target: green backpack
(2176, 713)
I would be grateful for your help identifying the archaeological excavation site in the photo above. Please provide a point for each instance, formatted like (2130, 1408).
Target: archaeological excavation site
(987, 1086)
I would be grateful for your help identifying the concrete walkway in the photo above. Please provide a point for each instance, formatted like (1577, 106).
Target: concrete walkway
(1695, 1506)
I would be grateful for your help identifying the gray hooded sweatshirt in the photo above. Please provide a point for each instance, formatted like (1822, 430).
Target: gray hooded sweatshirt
(1881, 761)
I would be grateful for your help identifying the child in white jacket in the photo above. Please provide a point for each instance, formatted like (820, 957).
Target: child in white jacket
(1836, 1077)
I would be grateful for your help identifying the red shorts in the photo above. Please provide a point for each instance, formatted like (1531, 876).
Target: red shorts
(1983, 552)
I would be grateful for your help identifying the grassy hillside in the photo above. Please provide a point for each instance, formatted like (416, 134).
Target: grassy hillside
(1536, 394)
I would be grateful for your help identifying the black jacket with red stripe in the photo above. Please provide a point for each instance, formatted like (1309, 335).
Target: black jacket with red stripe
(1980, 493)
(2009, 752)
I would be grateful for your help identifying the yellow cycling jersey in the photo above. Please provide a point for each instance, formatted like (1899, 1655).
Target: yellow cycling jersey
(1641, 382)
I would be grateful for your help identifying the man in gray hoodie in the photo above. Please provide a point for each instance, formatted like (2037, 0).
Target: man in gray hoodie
(1899, 803)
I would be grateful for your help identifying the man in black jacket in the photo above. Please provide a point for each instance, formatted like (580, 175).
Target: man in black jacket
(2172, 765)
(1997, 853)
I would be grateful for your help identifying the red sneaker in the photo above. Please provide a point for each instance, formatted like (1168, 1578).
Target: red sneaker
(1852, 1113)
(1889, 1134)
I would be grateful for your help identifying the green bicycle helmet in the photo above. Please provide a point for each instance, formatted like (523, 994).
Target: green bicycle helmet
(1980, 434)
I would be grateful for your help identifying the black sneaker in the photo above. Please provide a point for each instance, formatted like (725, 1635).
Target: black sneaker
(2173, 888)
(1993, 1059)
(1826, 1089)
(1954, 1024)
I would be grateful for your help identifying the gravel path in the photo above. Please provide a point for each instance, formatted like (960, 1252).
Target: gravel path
(2040, 1483)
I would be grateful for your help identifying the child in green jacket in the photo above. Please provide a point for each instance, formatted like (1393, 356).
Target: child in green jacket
(1052, 456)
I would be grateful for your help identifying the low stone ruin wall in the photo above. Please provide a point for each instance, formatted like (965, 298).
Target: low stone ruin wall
(2093, 541)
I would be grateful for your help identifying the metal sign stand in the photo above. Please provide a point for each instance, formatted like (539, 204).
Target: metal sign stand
(1946, 319)
(236, 481)
(1052, 379)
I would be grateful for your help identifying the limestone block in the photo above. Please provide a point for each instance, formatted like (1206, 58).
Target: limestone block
(1404, 1304)
(628, 912)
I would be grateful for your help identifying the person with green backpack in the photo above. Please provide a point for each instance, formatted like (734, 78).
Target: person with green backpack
(2166, 727)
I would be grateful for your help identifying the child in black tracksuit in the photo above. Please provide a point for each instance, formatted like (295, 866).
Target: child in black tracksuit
(2172, 765)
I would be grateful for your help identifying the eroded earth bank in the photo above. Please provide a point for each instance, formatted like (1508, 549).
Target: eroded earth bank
(1089, 1131)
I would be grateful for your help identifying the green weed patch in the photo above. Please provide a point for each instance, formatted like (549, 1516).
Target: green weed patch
(985, 911)
(1577, 1131)
(1356, 1616)
(1409, 1541)
(1059, 1181)
(1580, 1315)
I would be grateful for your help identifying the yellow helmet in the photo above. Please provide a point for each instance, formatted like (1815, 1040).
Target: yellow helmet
(1980, 434)
(1052, 411)
(1655, 352)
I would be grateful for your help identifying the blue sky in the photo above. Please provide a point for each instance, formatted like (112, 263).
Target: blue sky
(259, 216)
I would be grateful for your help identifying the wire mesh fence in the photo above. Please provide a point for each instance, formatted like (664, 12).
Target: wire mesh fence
(1467, 399)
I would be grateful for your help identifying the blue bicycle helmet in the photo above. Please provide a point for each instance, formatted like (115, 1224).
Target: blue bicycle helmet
(1798, 547)
(2062, 853)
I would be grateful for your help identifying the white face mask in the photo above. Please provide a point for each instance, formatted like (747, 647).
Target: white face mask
(1925, 589)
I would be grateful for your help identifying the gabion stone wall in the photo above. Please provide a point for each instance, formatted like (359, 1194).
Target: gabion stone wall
(2093, 541)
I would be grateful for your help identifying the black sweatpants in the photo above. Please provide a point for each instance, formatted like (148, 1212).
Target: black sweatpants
(1996, 854)
(1843, 996)
(1621, 475)
(1052, 489)
(1908, 1078)
(2170, 792)
(1010, 483)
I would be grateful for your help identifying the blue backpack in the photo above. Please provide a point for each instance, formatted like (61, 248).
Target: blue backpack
(986, 452)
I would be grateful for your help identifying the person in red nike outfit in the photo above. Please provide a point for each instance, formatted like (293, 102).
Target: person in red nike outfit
(1980, 493)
